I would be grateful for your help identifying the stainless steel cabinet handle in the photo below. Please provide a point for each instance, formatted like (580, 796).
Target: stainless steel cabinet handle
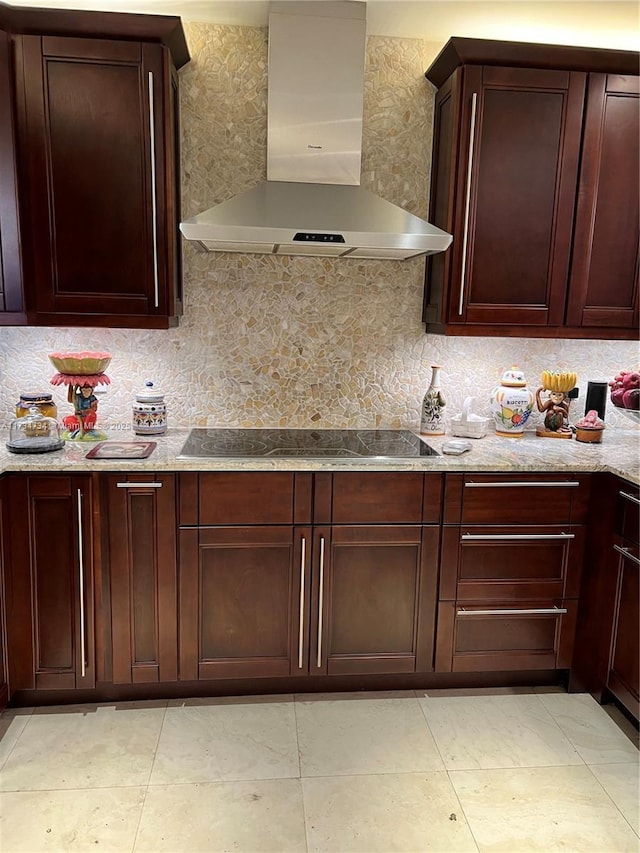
(154, 201)
(536, 611)
(83, 661)
(467, 203)
(320, 601)
(139, 485)
(626, 553)
(497, 537)
(629, 497)
(301, 629)
(519, 483)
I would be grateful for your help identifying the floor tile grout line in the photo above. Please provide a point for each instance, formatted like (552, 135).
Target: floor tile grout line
(567, 736)
(622, 814)
(13, 746)
(453, 787)
(304, 812)
(559, 727)
(65, 790)
(146, 787)
(462, 809)
(582, 760)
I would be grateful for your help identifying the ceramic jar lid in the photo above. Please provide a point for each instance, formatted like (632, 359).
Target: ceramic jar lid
(149, 394)
(513, 378)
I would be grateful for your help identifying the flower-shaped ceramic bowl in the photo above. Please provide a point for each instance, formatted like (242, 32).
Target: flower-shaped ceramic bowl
(80, 363)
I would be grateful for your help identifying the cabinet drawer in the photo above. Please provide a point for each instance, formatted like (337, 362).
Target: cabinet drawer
(498, 636)
(377, 498)
(514, 499)
(628, 512)
(251, 498)
(512, 563)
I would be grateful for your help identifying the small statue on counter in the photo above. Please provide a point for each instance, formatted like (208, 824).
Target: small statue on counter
(556, 406)
(85, 405)
(81, 372)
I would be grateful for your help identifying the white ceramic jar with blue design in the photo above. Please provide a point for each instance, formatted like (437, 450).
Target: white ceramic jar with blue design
(149, 412)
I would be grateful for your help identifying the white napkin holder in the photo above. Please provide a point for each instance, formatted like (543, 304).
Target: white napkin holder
(468, 425)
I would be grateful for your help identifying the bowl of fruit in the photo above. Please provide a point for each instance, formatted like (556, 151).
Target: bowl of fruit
(625, 393)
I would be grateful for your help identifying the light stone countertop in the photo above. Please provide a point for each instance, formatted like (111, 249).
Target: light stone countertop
(618, 453)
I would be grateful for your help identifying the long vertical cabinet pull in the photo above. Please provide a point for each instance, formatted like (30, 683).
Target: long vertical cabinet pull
(320, 603)
(154, 202)
(83, 661)
(303, 550)
(467, 203)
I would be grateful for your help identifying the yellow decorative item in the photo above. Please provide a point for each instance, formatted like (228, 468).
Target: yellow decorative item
(563, 381)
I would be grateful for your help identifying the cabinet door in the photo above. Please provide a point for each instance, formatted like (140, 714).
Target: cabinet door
(625, 664)
(10, 272)
(4, 694)
(94, 131)
(243, 601)
(518, 135)
(374, 598)
(49, 583)
(604, 277)
(141, 534)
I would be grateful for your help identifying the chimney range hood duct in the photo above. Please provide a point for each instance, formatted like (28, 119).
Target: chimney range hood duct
(311, 203)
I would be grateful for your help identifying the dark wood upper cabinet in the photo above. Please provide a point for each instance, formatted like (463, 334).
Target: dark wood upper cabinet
(96, 145)
(89, 147)
(11, 301)
(603, 290)
(515, 150)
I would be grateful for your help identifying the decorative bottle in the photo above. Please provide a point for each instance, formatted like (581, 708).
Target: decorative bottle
(511, 403)
(432, 419)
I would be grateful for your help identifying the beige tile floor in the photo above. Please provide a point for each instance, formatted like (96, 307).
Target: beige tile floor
(490, 770)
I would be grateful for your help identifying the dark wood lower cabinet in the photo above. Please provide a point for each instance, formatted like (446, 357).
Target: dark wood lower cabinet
(606, 660)
(373, 602)
(306, 601)
(281, 600)
(4, 690)
(482, 638)
(243, 601)
(624, 667)
(142, 568)
(49, 582)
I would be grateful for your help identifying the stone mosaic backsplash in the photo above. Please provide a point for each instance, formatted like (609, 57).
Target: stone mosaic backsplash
(301, 342)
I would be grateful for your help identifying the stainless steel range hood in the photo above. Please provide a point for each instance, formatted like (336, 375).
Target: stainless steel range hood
(311, 203)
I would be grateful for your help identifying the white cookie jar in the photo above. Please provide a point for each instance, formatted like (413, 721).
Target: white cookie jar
(511, 404)
(149, 412)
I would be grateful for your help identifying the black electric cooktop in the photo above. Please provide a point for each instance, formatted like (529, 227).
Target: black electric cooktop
(342, 444)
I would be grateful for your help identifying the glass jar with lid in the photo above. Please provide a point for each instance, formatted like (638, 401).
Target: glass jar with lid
(34, 433)
(43, 403)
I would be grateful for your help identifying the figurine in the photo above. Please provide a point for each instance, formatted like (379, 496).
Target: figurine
(81, 372)
(85, 406)
(556, 406)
